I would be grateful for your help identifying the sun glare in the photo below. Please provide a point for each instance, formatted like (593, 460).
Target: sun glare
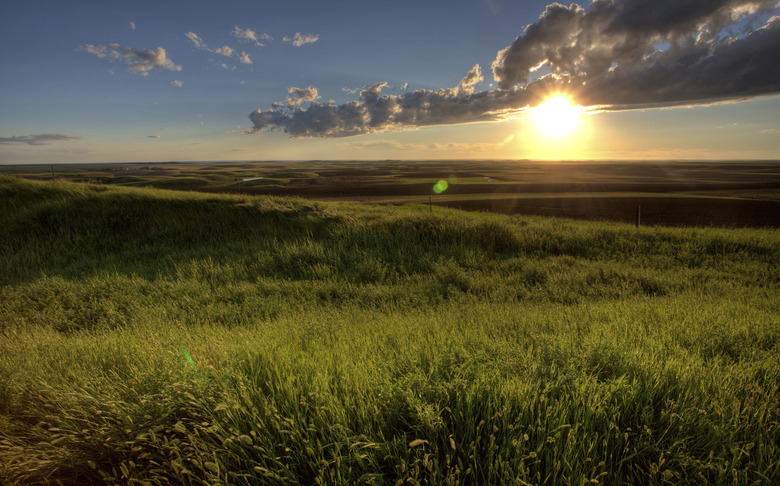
(556, 117)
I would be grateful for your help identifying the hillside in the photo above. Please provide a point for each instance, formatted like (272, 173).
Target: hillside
(165, 337)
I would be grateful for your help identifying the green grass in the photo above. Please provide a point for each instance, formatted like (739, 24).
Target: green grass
(160, 337)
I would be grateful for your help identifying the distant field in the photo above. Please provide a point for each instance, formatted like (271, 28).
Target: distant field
(152, 336)
(724, 194)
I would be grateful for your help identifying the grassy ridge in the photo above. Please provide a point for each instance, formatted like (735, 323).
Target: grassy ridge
(177, 338)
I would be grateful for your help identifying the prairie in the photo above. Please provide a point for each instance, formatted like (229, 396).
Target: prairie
(670, 193)
(152, 336)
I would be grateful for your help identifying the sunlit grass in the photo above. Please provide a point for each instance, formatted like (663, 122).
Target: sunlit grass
(159, 337)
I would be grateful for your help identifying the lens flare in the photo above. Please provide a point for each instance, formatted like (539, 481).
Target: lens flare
(187, 356)
(440, 187)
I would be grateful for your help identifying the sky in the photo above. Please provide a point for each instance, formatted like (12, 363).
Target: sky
(169, 80)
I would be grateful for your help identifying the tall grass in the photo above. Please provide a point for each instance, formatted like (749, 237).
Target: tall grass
(156, 337)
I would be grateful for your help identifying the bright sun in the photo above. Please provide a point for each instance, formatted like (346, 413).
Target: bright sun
(556, 117)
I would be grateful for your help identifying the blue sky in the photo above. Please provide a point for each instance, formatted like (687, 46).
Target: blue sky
(110, 81)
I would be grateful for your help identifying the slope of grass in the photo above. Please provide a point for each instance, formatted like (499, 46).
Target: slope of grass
(157, 337)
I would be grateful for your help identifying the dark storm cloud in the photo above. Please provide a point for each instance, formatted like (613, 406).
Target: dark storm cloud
(609, 54)
(39, 139)
(617, 54)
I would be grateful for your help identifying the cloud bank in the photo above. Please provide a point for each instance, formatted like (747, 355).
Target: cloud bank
(39, 139)
(614, 55)
(139, 61)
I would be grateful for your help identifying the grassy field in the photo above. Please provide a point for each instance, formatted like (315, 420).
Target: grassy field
(150, 336)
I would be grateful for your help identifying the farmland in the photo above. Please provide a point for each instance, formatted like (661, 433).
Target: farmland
(246, 336)
(723, 194)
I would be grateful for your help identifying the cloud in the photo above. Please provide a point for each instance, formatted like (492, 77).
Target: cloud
(140, 61)
(199, 44)
(250, 35)
(226, 51)
(244, 58)
(614, 55)
(132, 25)
(39, 139)
(376, 112)
(466, 85)
(507, 139)
(301, 39)
(153, 136)
(177, 84)
(771, 130)
(421, 149)
(624, 54)
(299, 96)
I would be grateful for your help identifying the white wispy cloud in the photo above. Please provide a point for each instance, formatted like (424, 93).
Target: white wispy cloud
(250, 35)
(38, 139)
(132, 25)
(225, 50)
(199, 44)
(299, 39)
(244, 58)
(177, 84)
(140, 61)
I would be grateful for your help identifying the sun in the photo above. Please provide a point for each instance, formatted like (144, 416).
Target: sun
(557, 117)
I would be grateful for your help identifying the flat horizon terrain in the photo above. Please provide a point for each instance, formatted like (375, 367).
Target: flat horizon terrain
(150, 336)
(669, 193)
